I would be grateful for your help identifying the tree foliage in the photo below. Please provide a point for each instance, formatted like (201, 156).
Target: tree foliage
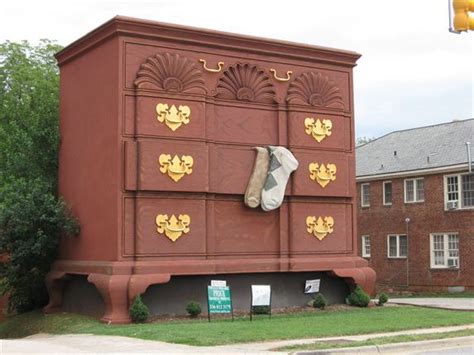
(32, 217)
(29, 99)
(363, 140)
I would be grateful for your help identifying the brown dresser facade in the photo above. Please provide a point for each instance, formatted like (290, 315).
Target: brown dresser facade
(185, 137)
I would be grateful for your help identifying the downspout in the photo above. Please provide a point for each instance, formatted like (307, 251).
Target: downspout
(469, 159)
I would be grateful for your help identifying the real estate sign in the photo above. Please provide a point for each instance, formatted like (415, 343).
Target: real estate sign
(312, 286)
(219, 299)
(261, 295)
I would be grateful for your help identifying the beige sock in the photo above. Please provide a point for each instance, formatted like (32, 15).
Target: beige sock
(257, 180)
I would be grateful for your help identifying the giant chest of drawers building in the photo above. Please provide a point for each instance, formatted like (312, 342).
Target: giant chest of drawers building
(158, 129)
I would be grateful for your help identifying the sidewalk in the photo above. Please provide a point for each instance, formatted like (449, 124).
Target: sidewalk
(86, 343)
(462, 345)
(461, 304)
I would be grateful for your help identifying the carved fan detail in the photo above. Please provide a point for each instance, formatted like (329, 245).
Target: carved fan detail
(170, 72)
(316, 90)
(245, 82)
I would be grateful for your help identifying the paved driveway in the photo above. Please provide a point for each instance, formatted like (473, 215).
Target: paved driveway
(462, 304)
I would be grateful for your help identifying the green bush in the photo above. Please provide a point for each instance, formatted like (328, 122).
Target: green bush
(193, 308)
(320, 301)
(383, 298)
(358, 298)
(139, 311)
(32, 221)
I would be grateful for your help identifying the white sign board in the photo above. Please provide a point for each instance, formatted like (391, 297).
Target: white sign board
(218, 283)
(261, 295)
(312, 286)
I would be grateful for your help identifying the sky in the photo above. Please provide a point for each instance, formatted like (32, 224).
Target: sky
(413, 72)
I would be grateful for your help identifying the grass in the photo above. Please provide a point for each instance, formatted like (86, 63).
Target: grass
(286, 326)
(377, 341)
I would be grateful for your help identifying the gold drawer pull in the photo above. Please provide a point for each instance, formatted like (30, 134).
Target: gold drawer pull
(173, 117)
(323, 174)
(320, 227)
(318, 129)
(219, 65)
(176, 167)
(173, 227)
(288, 74)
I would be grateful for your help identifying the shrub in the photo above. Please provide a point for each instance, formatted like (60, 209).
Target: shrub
(32, 220)
(383, 298)
(320, 301)
(358, 298)
(194, 309)
(139, 311)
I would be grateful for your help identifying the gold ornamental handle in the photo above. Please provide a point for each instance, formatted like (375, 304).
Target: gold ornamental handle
(288, 74)
(219, 65)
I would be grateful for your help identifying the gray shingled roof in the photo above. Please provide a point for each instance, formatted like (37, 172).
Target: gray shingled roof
(444, 144)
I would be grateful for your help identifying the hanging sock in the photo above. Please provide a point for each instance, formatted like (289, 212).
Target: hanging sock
(257, 180)
(282, 164)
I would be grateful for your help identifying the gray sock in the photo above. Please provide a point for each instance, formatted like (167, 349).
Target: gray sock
(282, 164)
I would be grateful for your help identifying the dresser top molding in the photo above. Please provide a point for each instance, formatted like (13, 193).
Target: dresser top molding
(139, 28)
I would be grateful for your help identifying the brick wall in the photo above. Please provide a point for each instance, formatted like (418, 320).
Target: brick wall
(426, 217)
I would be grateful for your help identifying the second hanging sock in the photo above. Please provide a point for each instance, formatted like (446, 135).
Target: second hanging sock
(282, 164)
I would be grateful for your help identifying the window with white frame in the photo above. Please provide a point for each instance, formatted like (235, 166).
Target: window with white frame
(366, 246)
(397, 246)
(459, 191)
(365, 195)
(387, 193)
(414, 190)
(444, 250)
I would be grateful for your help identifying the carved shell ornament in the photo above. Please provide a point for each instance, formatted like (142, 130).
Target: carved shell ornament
(315, 89)
(170, 72)
(245, 82)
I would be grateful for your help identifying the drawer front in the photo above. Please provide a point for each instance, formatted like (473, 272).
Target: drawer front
(327, 236)
(181, 229)
(248, 125)
(230, 168)
(323, 173)
(315, 130)
(243, 230)
(167, 166)
(164, 117)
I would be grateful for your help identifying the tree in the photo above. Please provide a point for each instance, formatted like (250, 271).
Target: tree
(32, 217)
(363, 140)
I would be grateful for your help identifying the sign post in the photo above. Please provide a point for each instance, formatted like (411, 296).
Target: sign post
(219, 300)
(261, 296)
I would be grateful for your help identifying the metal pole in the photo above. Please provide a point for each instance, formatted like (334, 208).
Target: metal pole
(469, 159)
(407, 221)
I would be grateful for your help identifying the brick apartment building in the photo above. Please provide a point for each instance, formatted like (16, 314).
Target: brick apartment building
(416, 207)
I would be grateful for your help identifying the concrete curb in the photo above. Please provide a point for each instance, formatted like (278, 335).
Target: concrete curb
(399, 347)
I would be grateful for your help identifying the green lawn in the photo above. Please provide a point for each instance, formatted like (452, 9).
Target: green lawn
(287, 326)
